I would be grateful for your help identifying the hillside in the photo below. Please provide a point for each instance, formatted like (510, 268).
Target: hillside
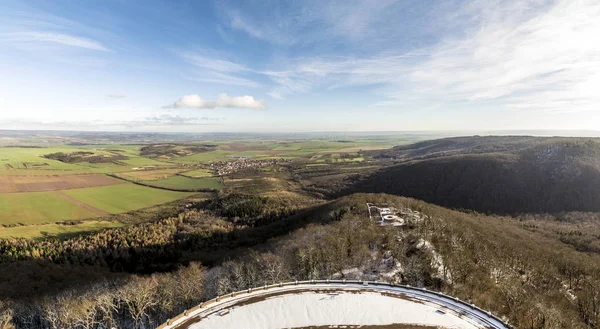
(528, 272)
(503, 175)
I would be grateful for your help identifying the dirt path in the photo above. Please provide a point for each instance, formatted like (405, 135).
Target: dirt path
(81, 204)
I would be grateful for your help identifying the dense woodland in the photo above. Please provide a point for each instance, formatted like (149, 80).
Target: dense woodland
(77, 157)
(500, 175)
(518, 268)
(174, 150)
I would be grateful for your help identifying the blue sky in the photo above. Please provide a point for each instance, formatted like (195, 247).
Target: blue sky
(276, 66)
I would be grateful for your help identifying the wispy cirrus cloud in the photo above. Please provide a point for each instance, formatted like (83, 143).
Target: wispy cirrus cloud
(306, 22)
(53, 37)
(217, 70)
(224, 100)
(173, 120)
(213, 64)
(116, 95)
(162, 120)
(525, 55)
(223, 78)
(542, 60)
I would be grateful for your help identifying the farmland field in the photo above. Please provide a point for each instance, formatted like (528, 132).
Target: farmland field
(53, 230)
(186, 183)
(44, 172)
(198, 173)
(124, 197)
(139, 161)
(38, 207)
(149, 174)
(52, 183)
(42, 185)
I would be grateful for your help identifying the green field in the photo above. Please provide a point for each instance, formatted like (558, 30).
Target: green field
(42, 209)
(38, 207)
(55, 230)
(186, 183)
(198, 173)
(205, 157)
(140, 161)
(124, 197)
(18, 158)
(43, 172)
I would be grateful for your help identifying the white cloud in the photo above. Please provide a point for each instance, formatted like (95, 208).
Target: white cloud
(51, 37)
(237, 22)
(219, 71)
(548, 61)
(525, 55)
(223, 78)
(275, 95)
(116, 95)
(288, 23)
(195, 101)
(213, 63)
(152, 121)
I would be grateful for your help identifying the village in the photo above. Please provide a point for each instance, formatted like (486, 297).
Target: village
(222, 168)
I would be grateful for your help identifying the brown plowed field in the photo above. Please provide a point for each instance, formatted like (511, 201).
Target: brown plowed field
(10, 184)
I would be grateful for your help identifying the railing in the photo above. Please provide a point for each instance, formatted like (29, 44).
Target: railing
(370, 284)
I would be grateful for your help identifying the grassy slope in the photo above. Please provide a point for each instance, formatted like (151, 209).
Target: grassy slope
(17, 156)
(198, 173)
(125, 197)
(185, 183)
(505, 175)
(55, 230)
(38, 207)
(149, 174)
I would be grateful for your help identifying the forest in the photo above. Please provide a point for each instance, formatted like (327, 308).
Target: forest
(522, 242)
(494, 175)
(81, 156)
(515, 267)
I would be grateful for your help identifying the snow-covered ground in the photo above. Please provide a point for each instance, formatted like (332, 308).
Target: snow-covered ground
(330, 304)
(321, 309)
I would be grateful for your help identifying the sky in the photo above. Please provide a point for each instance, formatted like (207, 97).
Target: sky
(300, 66)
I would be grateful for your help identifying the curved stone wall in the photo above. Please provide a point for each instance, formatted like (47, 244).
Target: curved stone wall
(196, 315)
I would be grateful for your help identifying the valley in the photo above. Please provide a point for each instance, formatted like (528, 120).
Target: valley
(96, 183)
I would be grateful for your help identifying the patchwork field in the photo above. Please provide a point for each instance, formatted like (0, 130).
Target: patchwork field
(38, 207)
(198, 173)
(11, 184)
(149, 174)
(186, 183)
(123, 197)
(40, 185)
